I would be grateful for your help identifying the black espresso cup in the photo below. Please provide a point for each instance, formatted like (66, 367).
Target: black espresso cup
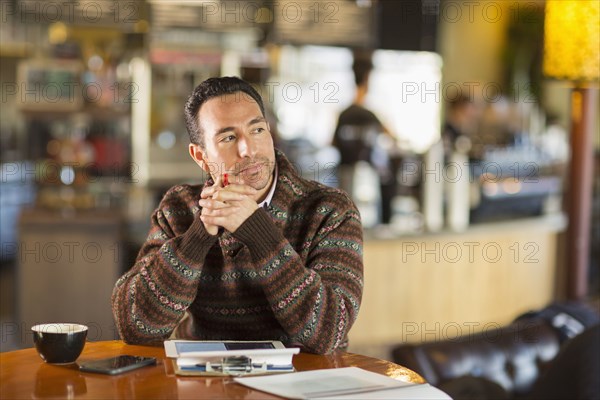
(59, 343)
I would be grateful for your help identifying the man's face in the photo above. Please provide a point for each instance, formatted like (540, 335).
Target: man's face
(237, 141)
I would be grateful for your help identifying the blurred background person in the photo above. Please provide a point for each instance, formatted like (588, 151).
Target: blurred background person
(357, 137)
(460, 125)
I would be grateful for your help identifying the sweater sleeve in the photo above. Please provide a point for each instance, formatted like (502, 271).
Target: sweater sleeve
(150, 299)
(316, 301)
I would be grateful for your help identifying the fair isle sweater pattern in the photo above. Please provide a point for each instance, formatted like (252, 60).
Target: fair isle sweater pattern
(292, 272)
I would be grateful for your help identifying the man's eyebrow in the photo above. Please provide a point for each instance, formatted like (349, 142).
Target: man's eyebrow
(225, 130)
(253, 121)
(256, 120)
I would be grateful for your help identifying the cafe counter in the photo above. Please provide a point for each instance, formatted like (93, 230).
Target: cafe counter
(442, 285)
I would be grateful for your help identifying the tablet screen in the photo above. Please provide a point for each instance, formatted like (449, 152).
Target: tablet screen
(249, 345)
(187, 347)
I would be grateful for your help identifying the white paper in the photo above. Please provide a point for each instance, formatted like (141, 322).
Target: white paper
(339, 383)
(411, 392)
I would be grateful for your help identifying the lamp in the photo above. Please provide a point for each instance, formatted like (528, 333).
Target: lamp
(571, 52)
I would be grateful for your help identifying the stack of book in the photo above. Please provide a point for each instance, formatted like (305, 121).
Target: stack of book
(226, 358)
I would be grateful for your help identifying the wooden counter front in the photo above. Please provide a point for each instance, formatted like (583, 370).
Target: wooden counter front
(440, 286)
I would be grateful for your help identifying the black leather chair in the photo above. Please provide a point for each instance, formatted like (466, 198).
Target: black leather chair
(503, 363)
(511, 357)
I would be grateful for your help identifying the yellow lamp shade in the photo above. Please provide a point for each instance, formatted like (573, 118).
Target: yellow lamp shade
(572, 39)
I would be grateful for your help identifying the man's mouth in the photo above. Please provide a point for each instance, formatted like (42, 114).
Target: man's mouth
(249, 169)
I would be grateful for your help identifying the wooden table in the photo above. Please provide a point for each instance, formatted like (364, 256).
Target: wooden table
(23, 374)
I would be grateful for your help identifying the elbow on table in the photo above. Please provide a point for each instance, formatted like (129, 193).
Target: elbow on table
(132, 336)
(130, 333)
(320, 347)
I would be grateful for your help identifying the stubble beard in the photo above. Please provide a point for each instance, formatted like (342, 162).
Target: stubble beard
(261, 179)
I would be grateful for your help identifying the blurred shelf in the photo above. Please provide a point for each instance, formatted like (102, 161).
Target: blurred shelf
(15, 50)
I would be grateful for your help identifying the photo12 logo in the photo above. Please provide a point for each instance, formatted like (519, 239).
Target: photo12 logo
(70, 92)
(470, 252)
(490, 92)
(491, 12)
(88, 12)
(51, 172)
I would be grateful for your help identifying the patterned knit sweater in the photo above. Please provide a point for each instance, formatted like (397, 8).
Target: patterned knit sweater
(292, 272)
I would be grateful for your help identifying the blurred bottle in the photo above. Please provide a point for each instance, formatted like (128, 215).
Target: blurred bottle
(433, 188)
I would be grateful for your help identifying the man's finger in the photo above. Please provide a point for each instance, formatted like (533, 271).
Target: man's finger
(243, 189)
(229, 195)
(209, 191)
(212, 204)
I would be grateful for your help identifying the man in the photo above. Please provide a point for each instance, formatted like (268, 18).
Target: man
(355, 136)
(460, 124)
(357, 126)
(256, 253)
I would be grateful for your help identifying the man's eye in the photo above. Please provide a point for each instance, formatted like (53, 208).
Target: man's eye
(259, 130)
(228, 138)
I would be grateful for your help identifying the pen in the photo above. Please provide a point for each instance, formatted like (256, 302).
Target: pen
(225, 180)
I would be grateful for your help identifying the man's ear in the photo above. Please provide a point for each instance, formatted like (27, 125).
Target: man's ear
(197, 155)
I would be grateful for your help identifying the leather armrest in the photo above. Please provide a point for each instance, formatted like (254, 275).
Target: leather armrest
(511, 356)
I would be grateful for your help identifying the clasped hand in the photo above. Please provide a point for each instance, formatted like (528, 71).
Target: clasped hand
(226, 207)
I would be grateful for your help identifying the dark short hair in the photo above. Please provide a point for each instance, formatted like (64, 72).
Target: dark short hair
(361, 69)
(211, 88)
(459, 101)
(362, 65)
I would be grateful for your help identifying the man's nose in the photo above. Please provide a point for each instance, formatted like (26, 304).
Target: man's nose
(245, 147)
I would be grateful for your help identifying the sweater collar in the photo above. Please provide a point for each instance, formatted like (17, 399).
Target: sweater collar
(289, 185)
(267, 201)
